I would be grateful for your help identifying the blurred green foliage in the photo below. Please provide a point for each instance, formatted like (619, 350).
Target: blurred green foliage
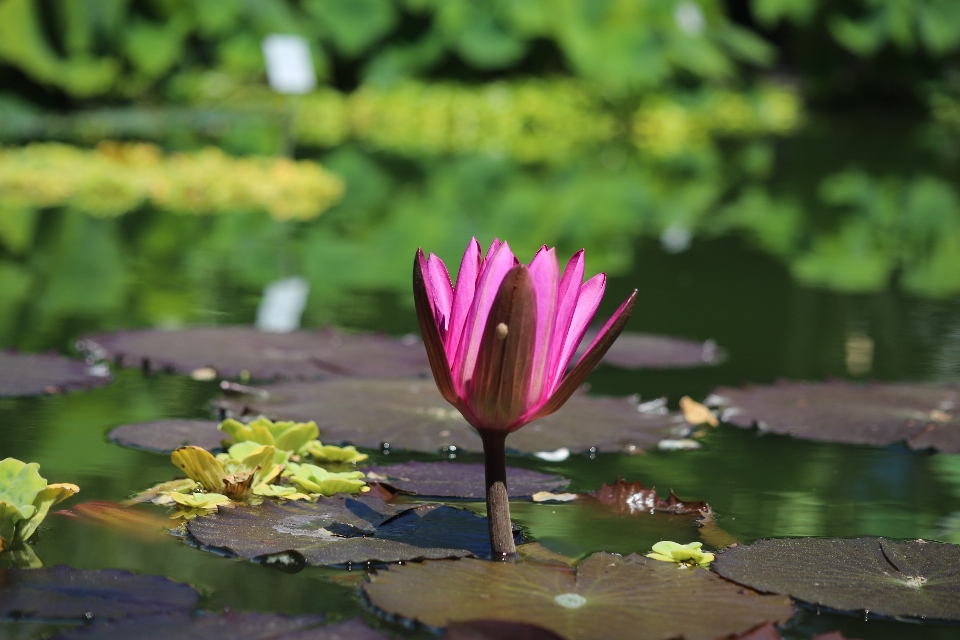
(131, 49)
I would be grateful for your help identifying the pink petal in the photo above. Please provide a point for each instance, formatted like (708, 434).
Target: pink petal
(492, 272)
(587, 302)
(568, 295)
(438, 284)
(462, 297)
(439, 364)
(572, 381)
(497, 393)
(545, 271)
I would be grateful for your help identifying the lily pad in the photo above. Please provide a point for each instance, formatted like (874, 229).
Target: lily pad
(650, 351)
(633, 497)
(497, 630)
(230, 352)
(455, 480)
(607, 596)
(343, 530)
(886, 577)
(62, 593)
(33, 374)
(411, 414)
(923, 415)
(238, 626)
(163, 436)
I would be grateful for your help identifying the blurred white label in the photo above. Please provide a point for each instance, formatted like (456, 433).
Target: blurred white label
(289, 65)
(282, 305)
(689, 18)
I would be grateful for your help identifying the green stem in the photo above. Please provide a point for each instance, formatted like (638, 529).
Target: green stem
(498, 503)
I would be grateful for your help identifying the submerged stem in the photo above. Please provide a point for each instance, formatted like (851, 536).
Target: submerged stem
(498, 503)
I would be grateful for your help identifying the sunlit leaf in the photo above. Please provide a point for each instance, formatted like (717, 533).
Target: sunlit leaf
(923, 415)
(411, 414)
(606, 596)
(456, 480)
(886, 577)
(344, 530)
(236, 351)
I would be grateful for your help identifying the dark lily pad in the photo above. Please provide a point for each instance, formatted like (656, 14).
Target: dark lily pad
(606, 597)
(924, 415)
(497, 630)
(235, 626)
(229, 352)
(343, 530)
(64, 593)
(455, 480)
(886, 577)
(411, 414)
(24, 374)
(649, 351)
(163, 436)
(633, 497)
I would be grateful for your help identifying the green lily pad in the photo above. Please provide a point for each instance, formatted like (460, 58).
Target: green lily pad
(456, 480)
(926, 416)
(649, 351)
(885, 577)
(341, 530)
(231, 352)
(33, 374)
(411, 414)
(64, 593)
(606, 597)
(241, 626)
(163, 436)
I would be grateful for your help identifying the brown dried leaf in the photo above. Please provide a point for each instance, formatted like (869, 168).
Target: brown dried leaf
(633, 497)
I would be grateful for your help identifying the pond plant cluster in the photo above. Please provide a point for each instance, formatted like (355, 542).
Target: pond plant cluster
(271, 491)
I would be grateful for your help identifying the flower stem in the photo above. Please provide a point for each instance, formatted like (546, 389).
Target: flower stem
(498, 503)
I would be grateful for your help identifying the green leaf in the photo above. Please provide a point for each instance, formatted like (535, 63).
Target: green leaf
(20, 483)
(354, 25)
(51, 495)
(606, 596)
(317, 480)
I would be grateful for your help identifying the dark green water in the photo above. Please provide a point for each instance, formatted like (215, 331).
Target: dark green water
(737, 285)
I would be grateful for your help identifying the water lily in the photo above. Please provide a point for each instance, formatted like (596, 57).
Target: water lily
(500, 343)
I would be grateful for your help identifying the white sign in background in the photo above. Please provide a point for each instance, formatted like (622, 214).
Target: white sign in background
(289, 64)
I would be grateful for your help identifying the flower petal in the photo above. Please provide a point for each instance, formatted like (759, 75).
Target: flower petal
(545, 272)
(430, 331)
(462, 297)
(590, 294)
(497, 394)
(568, 294)
(441, 292)
(492, 272)
(589, 359)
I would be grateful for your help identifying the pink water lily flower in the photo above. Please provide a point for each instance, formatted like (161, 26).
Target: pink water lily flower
(500, 341)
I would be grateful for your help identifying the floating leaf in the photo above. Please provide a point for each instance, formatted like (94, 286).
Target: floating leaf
(411, 414)
(607, 596)
(332, 453)
(66, 593)
(696, 413)
(342, 530)
(647, 351)
(497, 630)
(163, 436)
(924, 415)
(285, 436)
(886, 577)
(25, 500)
(233, 352)
(317, 481)
(248, 626)
(546, 496)
(632, 497)
(231, 477)
(456, 480)
(27, 375)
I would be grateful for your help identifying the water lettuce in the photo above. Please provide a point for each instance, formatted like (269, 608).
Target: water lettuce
(284, 435)
(318, 481)
(25, 500)
(685, 554)
(332, 453)
(232, 477)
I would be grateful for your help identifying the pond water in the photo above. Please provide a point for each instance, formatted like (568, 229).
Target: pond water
(722, 288)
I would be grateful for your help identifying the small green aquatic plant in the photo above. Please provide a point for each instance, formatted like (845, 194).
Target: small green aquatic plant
(687, 555)
(25, 500)
(317, 481)
(233, 477)
(291, 438)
